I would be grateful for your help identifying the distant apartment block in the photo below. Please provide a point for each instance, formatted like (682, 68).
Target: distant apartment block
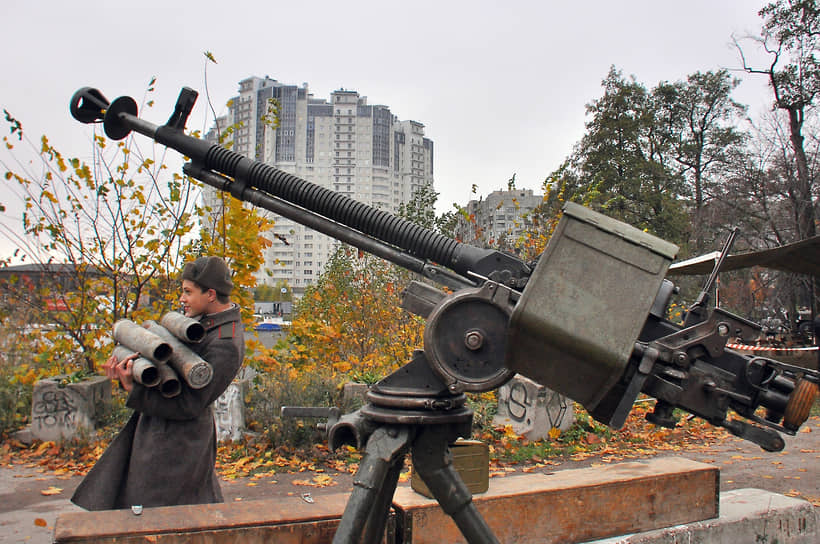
(497, 219)
(362, 151)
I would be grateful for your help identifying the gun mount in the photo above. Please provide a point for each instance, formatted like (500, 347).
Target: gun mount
(587, 320)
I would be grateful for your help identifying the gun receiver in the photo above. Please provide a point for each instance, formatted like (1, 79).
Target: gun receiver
(588, 321)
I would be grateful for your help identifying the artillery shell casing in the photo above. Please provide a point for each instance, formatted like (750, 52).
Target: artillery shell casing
(183, 327)
(142, 341)
(196, 371)
(144, 371)
(169, 384)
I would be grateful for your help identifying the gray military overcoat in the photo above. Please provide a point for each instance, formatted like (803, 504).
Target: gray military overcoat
(166, 452)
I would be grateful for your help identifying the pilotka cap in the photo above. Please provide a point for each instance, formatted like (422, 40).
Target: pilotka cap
(210, 273)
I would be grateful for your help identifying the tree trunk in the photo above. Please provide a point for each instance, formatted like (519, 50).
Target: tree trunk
(805, 210)
(805, 207)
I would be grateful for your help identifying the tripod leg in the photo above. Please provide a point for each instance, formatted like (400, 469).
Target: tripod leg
(381, 504)
(384, 447)
(433, 462)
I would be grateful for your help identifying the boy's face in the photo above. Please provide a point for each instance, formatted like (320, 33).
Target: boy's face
(194, 300)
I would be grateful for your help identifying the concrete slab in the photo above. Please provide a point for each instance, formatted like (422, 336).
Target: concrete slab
(573, 505)
(746, 515)
(289, 521)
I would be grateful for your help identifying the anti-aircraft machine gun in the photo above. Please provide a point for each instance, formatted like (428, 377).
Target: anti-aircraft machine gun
(587, 319)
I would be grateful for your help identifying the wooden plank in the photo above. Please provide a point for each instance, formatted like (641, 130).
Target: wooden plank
(286, 520)
(574, 505)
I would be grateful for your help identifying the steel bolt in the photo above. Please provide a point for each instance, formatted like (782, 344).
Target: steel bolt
(723, 329)
(473, 340)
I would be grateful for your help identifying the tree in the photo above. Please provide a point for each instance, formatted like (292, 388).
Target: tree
(384, 336)
(279, 292)
(421, 209)
(757, 194)
(791, 37)
(237, 236)
(236, 231)
(350, 321)
(700, 118)
(116, 227)
(119, 230)
(620, 166)
(264, 292)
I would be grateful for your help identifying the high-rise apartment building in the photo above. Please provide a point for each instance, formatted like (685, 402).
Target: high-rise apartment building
(362, 151)
(497, 219)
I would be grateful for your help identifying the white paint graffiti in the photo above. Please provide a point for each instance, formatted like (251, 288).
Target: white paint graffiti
(531, 409)
(229, 414)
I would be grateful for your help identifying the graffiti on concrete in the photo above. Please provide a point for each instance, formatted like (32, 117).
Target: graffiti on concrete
(517, 401)
(229, 414)
(531, 409)
(60, 411)
(54, 408)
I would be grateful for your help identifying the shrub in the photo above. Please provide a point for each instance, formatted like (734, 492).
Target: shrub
(15, 403)
(484, 407)
(288, 387)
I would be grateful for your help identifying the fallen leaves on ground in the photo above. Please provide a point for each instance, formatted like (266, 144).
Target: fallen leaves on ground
(62, 460)
(322, 480)
(256, 460)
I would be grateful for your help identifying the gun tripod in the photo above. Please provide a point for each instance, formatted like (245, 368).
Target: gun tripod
(409, 411)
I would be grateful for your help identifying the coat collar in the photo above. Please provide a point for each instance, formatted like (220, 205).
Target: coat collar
(211, 321)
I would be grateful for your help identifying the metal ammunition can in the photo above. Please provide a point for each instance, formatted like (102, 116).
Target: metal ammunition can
(575, 326)
(471, 459)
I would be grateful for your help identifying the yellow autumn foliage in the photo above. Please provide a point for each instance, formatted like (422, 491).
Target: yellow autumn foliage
(350, 324)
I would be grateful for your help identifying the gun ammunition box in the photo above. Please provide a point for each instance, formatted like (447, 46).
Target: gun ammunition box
(471, 459)
(582, 310)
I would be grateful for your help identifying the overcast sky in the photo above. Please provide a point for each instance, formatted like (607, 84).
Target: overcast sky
(499, 86)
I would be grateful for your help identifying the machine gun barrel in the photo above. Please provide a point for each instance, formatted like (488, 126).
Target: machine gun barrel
(120, 118)
(331, 228)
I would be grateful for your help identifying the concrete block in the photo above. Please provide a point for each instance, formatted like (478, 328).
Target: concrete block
(24, 435)
(64, 410)
(531, 409)
(288, 520)
(746, 515)
(573, 505)
(354, 393)
(229, 412)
